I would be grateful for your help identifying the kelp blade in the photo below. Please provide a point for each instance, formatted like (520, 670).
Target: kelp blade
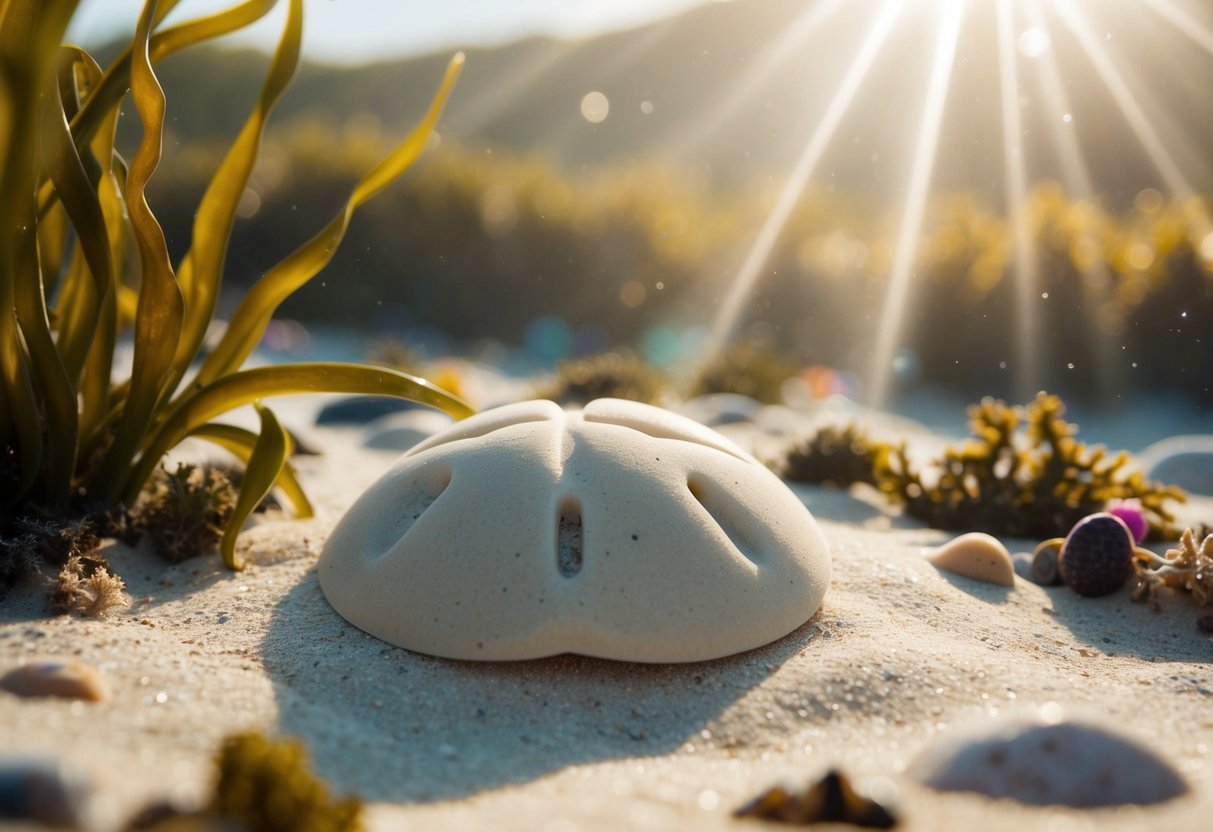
(202, 268)
(159, 311)
(264, 464)
(232, 391)
(247, 325)
(241, 443)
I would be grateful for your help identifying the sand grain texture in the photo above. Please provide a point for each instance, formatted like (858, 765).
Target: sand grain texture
(899, 653)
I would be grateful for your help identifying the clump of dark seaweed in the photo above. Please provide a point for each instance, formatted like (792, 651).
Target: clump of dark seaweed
(1038, 487)
(28, 544)
(838, 455)
(184, 512)
(617, 375)
(264, 785)
(1190, 567)
(747, 368)
(87, 586)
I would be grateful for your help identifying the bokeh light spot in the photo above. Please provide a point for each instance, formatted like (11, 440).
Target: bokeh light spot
(632, 294)
(595, 107)
(1034, 42)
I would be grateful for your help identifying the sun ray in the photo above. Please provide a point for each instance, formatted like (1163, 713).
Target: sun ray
(1184, 22)
(1076, 177)
(893, 312)
(791, 42)
(1027, 336)
(756, 259)
(1130, 108)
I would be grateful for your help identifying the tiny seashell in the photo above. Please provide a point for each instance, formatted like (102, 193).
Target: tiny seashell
(1045, 759)
(1044, 566)
(43, 792)
(832, 799)
(976, 555)
(65, 678)
(1097, 556)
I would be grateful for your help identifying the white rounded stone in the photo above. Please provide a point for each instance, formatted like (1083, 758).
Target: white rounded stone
(621, 531)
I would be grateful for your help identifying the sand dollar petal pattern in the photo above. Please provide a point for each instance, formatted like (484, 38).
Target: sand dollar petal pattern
(621, 531)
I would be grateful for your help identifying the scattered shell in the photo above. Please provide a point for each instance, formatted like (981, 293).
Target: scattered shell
(1044, 759)
(1097, 556)
(619, 530)
(43, 792)
(976, 555)
(1044, 564)
(832, 799)
(66, 678)
(1134, 516)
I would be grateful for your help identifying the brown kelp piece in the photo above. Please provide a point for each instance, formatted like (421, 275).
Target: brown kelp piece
(841, 455)
(832, 799)
(1035, 484)
(265, 785)
(611, 375)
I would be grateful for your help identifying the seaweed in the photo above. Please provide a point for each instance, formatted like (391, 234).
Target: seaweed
(185, 512)
(618, 375)
(87, 586)
(73, 211)
(264, 786)
(27, 544)
(838, 455)
(1038, 487)
(748, 368)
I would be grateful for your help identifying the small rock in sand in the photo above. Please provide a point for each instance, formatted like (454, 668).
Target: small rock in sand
(978, 556)
(43, 792)
(65, 678)
(1045, 759)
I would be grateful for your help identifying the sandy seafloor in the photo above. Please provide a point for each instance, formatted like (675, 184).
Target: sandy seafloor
(899, 655)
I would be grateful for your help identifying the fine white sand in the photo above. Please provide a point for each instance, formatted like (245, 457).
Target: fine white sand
(899, 654)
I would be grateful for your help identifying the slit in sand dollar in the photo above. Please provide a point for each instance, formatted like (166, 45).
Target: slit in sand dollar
(976, 555)
(620, 531)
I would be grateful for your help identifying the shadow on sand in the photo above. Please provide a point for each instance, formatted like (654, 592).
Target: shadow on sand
(398, 726)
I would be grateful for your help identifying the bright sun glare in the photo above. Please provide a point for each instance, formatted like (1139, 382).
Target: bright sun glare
(1060, 43)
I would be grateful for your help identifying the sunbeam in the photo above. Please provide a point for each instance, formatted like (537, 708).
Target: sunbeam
(1136, 118)
(1076, 177)
(791, 42)
(760, 251)
(1015, 170)
(893, 311)
(1184, 22)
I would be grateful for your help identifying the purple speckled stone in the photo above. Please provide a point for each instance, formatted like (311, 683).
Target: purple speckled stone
(1097, 556)
(1133, 514)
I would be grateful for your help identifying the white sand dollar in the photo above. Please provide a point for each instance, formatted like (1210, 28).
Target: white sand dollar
(622, 531)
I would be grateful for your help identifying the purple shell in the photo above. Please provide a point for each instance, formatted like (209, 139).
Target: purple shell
(1134, 516)
(1097, 556)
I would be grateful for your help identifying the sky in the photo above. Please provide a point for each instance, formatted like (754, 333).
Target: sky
(353, 31)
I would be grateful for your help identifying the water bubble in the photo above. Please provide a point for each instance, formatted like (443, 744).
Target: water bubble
(595, 107)
(646, 107)
(1044, 295)
(1034, 42)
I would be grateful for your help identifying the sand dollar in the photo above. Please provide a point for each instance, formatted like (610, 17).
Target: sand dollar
(621, 530)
